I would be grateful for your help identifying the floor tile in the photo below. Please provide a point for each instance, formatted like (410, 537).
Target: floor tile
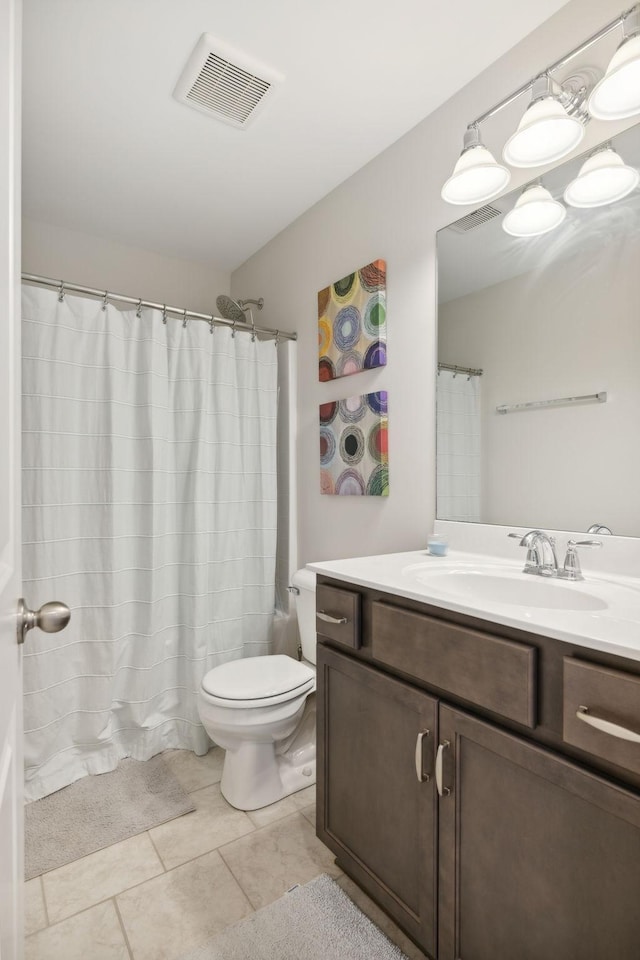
(380, 918)
(195, 772)
(310, 813)
(271, 860)
(85, 882)
(275, 811)
(283, 808)
(178, 911)
(94, 934)
(35, 916)
(213, 823)
(304, 797)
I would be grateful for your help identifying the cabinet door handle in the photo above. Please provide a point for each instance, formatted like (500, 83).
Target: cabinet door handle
(321, 615)
(420, 774)
(606, 726)
(442, 791)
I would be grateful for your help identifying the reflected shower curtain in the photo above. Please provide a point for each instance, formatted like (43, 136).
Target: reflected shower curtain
(149, 492)
(458, 453)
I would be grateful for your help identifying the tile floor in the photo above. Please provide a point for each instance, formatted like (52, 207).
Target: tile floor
(166, 891)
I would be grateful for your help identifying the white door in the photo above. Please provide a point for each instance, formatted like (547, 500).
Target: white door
(11, 774)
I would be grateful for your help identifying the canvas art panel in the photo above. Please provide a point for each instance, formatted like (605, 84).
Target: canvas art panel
(352, 323)
(354, 451)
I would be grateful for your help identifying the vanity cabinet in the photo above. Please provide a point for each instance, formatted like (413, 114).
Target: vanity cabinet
(377, 807)
(460, 808)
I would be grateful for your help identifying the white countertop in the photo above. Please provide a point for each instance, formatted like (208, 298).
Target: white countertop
(613, 628)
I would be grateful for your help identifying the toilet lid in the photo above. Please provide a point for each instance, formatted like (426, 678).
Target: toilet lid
(257, 678)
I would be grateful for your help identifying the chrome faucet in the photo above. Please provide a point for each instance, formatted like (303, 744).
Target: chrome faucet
(571, 569)
(541, 555)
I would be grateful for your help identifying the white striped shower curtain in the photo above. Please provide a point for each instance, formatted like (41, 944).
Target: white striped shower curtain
(458, 472)
(149, 491)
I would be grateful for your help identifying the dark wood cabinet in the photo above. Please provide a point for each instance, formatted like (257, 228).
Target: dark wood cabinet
(502, 833)
(539, 858)
(376, 807)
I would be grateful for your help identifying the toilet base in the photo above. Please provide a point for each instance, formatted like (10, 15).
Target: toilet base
(256, 775)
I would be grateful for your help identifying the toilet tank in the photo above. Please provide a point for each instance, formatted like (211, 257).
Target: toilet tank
(305, 581)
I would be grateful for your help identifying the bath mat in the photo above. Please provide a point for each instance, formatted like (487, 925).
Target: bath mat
(97, 811)
(315, 922)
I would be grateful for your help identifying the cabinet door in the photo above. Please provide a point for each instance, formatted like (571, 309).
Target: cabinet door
(539, 858)
(376, 809)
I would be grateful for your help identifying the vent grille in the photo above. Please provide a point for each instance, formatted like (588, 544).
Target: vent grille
(225, 83)
(226, 89)
(475, 219)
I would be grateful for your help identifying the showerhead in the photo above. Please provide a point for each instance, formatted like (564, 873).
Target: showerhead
(230, 309)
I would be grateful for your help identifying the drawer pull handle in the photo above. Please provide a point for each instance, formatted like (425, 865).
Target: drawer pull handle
(420, 774)
(329, 619)
(442, 791)
(606, 726)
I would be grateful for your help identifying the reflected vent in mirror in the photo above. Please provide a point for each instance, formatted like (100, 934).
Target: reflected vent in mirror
(475, 219)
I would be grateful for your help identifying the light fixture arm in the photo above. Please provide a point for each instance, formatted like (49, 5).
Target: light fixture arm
(630, 22)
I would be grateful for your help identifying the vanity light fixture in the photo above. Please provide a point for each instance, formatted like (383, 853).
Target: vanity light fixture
(553, 123)
(546, 131)
(535, 213)
(477, 176)
(603, 178)
(617, 95)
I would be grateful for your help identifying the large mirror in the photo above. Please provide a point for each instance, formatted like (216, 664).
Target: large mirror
(539, 364)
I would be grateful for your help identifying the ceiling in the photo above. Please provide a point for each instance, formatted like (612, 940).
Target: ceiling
(108, 151)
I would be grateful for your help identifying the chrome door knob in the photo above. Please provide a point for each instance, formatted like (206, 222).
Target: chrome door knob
(51, 617)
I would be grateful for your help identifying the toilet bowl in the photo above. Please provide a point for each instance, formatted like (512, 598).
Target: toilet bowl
(261, 710)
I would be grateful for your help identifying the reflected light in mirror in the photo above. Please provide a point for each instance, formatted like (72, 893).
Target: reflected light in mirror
(603, 178)
(534, 213)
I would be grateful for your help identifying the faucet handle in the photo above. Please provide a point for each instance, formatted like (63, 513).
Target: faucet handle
(571, 569)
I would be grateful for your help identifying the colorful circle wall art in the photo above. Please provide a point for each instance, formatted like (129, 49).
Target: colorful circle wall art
(352, 323)
(354, 449)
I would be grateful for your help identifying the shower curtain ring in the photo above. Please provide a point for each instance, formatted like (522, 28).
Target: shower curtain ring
(139, 309)
(277, 339)
(184, 319)
(233, 330)
(105, 300)
(253, 327)
(164, 314)
(211, 325)
(61, 292)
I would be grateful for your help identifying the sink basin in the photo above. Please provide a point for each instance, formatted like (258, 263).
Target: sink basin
(504, 586)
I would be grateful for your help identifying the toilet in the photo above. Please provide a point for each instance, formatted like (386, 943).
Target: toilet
(261, 710)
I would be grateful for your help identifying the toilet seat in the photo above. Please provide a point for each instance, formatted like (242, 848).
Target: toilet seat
(258, 681)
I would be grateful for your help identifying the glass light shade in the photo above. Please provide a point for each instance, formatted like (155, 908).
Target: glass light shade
(476, 177)
(617, 95)
(603, 178)
(545, 133)
(535, 212)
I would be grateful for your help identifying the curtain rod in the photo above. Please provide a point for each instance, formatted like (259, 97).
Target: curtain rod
(454, 368)
(183, 314)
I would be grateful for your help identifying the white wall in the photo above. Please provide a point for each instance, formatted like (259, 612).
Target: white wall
(91, 261)
(392, 209)
(570, 329)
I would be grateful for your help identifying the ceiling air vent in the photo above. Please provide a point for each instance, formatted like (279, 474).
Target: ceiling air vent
(475, 219)
(225, 83)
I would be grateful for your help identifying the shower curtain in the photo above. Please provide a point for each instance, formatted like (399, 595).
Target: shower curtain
(458, 437)
(149, 491)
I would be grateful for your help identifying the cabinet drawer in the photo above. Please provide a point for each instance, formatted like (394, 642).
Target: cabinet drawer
(496, 674)
(601, 712)
(338, 615)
